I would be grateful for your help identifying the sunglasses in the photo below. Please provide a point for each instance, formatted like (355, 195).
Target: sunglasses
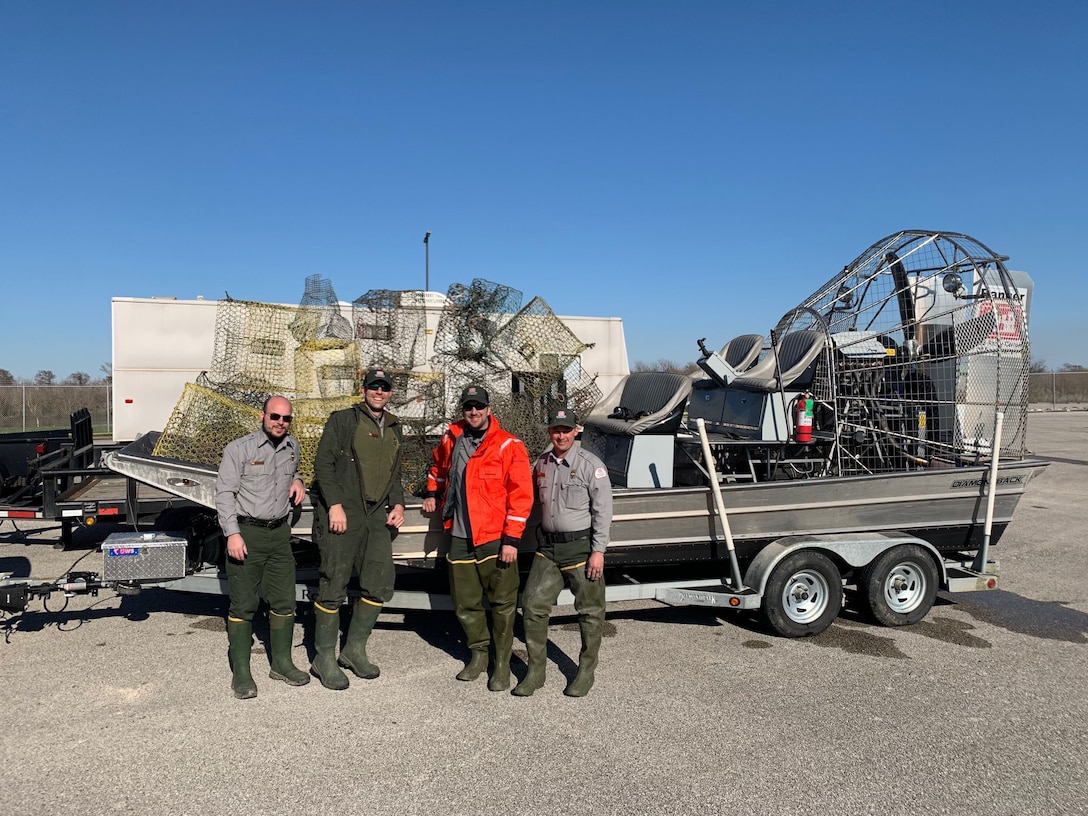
(278, 417)
(378, 387)
(472, 406)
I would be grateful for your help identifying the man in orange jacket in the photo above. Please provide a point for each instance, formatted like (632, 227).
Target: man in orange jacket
(482, 474)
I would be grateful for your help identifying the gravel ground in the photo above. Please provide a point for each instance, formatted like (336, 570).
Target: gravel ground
(123, 705)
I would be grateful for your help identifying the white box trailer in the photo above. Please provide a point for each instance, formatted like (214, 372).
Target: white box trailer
(162, 343)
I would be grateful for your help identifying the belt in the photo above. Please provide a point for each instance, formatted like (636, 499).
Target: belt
(563, 538)
(268, 525)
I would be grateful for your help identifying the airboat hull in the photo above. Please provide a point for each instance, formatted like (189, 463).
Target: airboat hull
(944, 506)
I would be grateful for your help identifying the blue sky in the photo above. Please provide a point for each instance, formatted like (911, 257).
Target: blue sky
(695, 168)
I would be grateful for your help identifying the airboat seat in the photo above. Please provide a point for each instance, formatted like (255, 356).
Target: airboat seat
(742, 352)
(735, 357)
(645, 402)
(634, 428)
(796, 360)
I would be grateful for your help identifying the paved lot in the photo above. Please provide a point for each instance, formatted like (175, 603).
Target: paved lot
(123, 705)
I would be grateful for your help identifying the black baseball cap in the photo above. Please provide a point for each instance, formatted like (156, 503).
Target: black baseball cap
(562, 417)
(475, 393)
(377, 375)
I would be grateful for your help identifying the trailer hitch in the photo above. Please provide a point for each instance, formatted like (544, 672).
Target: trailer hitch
(16, 594)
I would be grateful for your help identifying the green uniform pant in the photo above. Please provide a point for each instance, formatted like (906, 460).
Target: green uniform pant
(365, 548)
(268, 569)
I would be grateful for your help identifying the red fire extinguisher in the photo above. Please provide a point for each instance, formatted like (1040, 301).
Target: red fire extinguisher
(802, 418)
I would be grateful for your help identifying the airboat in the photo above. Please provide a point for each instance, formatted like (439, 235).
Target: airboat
(884, 413)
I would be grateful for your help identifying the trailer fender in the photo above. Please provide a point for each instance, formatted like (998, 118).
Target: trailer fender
(854, 549)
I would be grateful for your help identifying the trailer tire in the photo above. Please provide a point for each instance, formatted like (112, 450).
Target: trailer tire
(898, 588)
(804, 594)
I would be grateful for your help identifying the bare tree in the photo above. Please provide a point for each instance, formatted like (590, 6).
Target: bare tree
(1037, 366)
(78, 378)
(107, 372)
(45, 377)
(6, 377)
(670, 366)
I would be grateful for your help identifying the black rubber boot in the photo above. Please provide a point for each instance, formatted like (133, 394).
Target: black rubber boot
(240, 643)
(353, 655)
(326, 639)
(541, 590)
(467, 594)
(589, 602)
(281, 635)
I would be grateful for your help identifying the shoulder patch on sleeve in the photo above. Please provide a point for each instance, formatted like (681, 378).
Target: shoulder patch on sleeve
(600, 473)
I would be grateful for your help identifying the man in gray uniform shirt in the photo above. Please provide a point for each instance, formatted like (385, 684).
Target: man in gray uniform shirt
(258, 482)
(575, 498)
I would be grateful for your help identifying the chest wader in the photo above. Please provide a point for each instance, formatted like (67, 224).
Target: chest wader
(546, 579)
(472, 575)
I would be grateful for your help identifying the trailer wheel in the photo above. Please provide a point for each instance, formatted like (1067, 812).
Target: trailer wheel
(898, 588)
(804, 594)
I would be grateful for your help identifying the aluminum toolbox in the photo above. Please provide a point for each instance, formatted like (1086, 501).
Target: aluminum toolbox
(143, 557)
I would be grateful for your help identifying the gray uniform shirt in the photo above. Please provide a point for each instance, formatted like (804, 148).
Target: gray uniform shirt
(457, 501)
(574, 494)
(255, 479)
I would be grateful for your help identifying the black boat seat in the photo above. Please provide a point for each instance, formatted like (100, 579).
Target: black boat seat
(742, 352)
(797, 353)
(645, 402)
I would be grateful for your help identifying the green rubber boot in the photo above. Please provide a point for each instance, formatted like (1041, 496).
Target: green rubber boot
(466, 592)
(281, 632)
(240, 644)
(536, 645)
(502, 630)
(587, 665)
(326, 639)
(541, 589)
(353, 655)
(477, 665)
(504, 608)
(589, 602)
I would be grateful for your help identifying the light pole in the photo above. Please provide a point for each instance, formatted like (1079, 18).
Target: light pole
(427, 261)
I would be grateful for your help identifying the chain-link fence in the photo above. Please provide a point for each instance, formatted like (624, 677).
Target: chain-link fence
(1056, 389)
(48, 407)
